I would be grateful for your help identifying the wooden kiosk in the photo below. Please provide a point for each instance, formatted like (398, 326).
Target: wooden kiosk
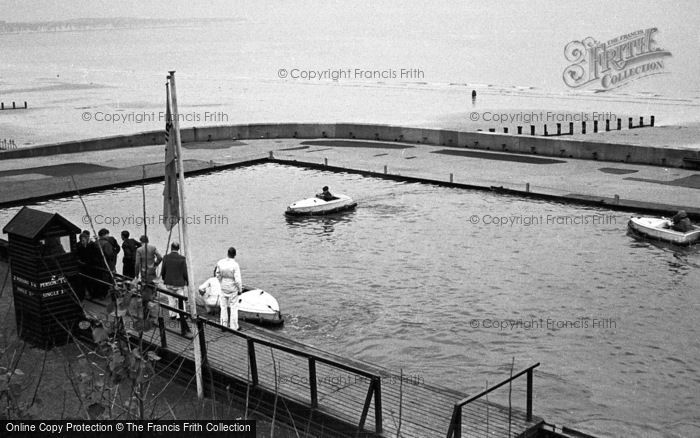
(41, 248)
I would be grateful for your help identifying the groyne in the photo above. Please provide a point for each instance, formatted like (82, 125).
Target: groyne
(520, 144)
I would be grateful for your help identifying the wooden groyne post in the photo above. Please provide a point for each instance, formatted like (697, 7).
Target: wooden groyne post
(14, 105)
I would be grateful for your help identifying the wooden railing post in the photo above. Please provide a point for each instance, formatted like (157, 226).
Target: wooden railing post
(183, 321)
(378, 404)
(528, 410)
(455, 430)
(202, 342)
(312, 383)
(253, 363)
(161, 329)
(365, 408)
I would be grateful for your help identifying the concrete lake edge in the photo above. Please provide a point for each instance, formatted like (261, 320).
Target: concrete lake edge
(520, 144)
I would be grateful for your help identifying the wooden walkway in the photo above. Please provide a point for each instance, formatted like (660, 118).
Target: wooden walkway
(342, 386)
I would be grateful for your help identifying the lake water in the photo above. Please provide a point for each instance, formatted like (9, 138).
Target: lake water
(410, 280)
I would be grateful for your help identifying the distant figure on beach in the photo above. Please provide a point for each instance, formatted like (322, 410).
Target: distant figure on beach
(129, 246)
(681, 222)
(325, 195)
(147, 260)
(228, 273)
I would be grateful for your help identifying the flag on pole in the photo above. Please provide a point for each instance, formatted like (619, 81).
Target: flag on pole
(171, 202)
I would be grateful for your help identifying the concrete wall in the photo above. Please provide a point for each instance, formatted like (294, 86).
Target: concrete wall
(524, 144)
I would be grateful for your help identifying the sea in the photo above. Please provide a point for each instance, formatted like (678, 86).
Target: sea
(410, 64)
(612, 320)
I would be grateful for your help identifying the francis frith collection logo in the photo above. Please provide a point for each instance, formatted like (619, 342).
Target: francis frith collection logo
(616, 62)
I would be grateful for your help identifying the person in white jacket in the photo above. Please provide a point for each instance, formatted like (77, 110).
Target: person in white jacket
(209, 293)
(229, 274)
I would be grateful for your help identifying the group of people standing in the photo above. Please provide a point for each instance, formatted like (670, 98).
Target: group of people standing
(223, 289)
(98, 260)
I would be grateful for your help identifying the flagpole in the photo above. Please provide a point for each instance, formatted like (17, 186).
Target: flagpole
(185, 240)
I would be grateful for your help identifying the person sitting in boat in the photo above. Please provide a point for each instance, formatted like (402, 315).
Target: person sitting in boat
(326, 195)
(681, 222)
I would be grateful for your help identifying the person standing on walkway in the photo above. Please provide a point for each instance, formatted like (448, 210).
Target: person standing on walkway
(129, 246)
(229, 274)
(110, 248)
(174, 274)
(84, 254)
(147, 260)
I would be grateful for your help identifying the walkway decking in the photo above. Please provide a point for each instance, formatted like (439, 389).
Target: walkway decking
(342, 384)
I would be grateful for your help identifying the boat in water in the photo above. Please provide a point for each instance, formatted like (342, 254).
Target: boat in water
(660, 228)
(259, 307)
(317, 206)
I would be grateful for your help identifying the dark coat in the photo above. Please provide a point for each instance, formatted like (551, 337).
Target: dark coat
(174, 270)
(129, 246)
(110, 248)
(683, 225)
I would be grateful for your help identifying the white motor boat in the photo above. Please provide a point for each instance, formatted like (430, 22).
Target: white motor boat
(317, 206)
(258, 306)
(660, 228)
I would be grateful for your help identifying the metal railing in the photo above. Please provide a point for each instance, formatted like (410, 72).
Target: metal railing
(374, 390)
(455, 429)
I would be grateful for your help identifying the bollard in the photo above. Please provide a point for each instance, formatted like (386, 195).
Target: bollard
(630, 123)
(532, 129)
(385, 169)
(325, 161)
(595, 126)
(571, 128)
(505, 130)
(13, 104)
(272, 155)
(607, 125)
(617, 199)
(452, 178)
(25, 104)
(619, 124)
(545, 130)
(652, 121)
(2, 105)
(527, 187)
(558, 128)
(520, 129)
(583, 127)
(641, 122)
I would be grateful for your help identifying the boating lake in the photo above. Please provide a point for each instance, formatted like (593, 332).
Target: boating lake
(451, 285)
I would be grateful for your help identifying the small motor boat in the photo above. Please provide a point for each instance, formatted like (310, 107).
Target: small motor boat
(259, 307)
(660, 228)
(317, 206)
